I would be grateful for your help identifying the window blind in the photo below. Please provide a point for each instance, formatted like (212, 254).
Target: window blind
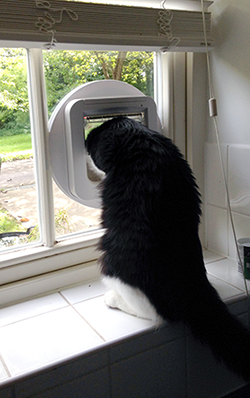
(54, 23)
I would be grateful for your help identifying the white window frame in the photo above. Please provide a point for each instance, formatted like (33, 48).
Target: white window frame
(33, 271)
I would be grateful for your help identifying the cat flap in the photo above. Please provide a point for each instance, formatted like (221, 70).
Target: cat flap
(76, 115)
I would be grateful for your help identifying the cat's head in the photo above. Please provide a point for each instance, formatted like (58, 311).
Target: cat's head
(105, 144)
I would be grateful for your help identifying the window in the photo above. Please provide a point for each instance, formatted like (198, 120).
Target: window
(34, 222)
(64, 70)
(18, 205)
(62, 253)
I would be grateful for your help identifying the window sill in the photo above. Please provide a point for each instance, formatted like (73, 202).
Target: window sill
(12, 257)
(35, 261)
(51, 330)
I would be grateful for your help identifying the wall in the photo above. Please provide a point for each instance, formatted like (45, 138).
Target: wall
(230, 73)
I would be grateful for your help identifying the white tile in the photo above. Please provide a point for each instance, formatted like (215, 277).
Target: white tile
(215, 187)
(239, 178)
(111, 324)
(46, 338)
(84, 292)
(62, 374)
(210, 257)
(7, 392)
(206, 377)
(31, 308)
(242, 229)
(3, 373)
(227, 270)
(93, 385)
(146, 341)
(226, 291)
(159, 372)
(216, 229)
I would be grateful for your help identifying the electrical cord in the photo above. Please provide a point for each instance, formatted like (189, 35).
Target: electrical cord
(213, 114)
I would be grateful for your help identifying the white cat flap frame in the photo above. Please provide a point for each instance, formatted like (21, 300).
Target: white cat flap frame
(90, 103)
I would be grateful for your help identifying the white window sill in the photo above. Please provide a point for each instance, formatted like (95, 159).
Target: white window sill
(34, 261)
(49, 330)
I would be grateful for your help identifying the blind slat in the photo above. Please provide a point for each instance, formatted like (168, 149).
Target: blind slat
(89, 23)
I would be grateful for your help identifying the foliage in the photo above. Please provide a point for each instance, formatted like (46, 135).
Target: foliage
(64, 70)
(34, 234)
(14, 109)
(8, 223)
(138, 71)
(62, 223)
(10, 157)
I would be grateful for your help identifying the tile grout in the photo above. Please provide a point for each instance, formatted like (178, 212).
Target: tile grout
(5, 366)
(33, 316)
(228, 283)
(81, 301)
(82, 317)
(66, 304)
(206, 262)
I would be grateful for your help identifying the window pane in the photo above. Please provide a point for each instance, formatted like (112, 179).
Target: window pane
(18, 197)
(65, 70)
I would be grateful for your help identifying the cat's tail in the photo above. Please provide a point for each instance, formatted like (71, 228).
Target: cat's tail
(212, 323)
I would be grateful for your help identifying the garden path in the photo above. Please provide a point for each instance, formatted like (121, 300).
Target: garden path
(18, 196)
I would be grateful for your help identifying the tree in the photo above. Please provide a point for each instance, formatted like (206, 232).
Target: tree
(14, 106)
(112, 68)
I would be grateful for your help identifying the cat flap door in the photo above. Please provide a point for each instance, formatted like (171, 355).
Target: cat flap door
(81, 110)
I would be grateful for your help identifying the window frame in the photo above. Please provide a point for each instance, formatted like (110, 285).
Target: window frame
(36, 270)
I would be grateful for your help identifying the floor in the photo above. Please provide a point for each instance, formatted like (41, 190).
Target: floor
(33, 334)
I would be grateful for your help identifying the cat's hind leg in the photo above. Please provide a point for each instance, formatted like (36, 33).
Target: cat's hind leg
(113, 300)
(129, 299)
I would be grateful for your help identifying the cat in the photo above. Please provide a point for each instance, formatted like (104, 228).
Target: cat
(151, 253)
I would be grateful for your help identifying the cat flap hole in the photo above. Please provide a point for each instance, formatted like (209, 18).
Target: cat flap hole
(91, 122)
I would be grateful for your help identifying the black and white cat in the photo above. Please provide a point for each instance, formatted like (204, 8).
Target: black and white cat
(152, 257)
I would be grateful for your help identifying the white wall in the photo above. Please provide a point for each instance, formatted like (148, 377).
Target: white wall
(230, 70)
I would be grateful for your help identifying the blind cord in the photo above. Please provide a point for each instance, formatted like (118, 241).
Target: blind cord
(213, 114)
(47, 23)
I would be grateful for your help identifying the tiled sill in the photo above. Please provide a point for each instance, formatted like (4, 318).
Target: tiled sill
(52, 329)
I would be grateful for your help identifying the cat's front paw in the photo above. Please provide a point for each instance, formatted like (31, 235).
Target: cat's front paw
(111, 299)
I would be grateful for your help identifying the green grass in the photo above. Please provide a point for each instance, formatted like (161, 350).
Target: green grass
(15, 147)
(15, 143)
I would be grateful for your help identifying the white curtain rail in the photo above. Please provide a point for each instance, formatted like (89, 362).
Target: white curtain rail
(187, 5)
(53, 22)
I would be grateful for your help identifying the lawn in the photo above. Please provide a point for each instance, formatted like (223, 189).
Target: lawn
(15, 143)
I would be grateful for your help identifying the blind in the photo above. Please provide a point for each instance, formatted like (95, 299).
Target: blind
(55, 23)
